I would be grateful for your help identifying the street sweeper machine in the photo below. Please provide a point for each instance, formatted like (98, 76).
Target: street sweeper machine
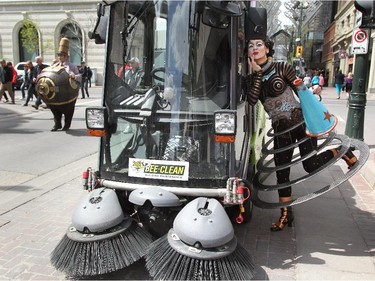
(176, 145)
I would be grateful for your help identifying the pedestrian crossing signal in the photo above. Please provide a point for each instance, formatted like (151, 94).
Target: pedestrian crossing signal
(299, 51)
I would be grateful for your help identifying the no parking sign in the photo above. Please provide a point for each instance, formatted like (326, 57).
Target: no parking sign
(360, 41)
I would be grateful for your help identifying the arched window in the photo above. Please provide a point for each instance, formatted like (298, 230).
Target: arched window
(73, 32)
(28, 40)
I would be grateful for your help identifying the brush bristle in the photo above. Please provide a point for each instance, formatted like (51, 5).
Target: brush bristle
(101, 257)
(164, 263)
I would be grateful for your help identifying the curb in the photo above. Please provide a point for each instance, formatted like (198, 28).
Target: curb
(42, 184)
(368, 171)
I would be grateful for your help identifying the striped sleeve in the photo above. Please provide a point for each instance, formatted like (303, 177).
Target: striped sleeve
(289, 75)
(254, 87)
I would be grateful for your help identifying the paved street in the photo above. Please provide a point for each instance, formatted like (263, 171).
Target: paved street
(332, 238)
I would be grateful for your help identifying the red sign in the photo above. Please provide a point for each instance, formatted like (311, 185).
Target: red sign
(360, 36)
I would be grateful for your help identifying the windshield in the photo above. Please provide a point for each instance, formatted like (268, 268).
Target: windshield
(167, 72)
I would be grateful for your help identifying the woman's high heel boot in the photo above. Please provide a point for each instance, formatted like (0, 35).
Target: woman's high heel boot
(286, 216)
(349, 157)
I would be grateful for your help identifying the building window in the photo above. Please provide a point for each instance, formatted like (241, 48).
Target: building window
(28, 41)
(73, 32)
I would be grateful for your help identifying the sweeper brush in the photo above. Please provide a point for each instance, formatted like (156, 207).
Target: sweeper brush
(201, 246)
(91, 246)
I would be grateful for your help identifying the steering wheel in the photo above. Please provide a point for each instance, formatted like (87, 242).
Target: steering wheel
(156, 70)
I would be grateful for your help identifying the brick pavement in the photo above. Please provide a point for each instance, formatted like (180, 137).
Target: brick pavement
(29, 232)
(334, 235)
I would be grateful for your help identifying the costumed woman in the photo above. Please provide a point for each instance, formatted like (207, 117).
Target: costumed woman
(272, 84)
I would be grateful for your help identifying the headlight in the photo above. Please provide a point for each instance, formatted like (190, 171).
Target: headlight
(225, 122)
(225, 125)
(96, 120)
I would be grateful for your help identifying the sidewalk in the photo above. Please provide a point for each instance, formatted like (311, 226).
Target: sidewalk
(333, 236)
(330, 92)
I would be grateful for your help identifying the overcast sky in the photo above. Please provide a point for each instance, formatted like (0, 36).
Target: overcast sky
(282, 17)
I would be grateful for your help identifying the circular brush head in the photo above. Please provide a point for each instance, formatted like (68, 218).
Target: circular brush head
(201, 246)
(88, 254)
(101, 238)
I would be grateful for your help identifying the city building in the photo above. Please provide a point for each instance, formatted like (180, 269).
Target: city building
(346, 23)
(30, 28)
(324, 28)
(327, 53)
(325, 31)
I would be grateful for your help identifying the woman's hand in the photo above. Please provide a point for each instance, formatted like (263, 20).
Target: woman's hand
(253, 65)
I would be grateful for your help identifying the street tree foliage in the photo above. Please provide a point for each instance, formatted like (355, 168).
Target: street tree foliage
(73, 32)
(29, 37)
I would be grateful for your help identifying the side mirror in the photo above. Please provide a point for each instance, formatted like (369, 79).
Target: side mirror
(100, 30)
(226, 8)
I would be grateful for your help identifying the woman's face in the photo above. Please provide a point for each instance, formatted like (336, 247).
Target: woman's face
(257, 50)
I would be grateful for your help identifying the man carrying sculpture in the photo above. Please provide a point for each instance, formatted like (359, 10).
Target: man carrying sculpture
(58, 86)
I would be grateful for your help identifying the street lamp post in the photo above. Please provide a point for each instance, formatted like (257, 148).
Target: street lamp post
(357, 99)
(300, 6)
(300, 20)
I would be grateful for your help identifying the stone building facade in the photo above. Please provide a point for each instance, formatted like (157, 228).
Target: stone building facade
(343, 57)
(327, 53)
(317, 17)
(51, 21)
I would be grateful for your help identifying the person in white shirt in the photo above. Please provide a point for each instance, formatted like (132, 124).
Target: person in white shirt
(307, 81)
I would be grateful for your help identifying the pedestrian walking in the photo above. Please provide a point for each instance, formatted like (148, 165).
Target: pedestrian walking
(348, 81)
(31, 75)
(307, 80)
(6, 81)
(89, 73)
(315, 79)
(85, 79)
(24, 84)
(39, 67)
(14, 76)
(339, 82)
(321, 80)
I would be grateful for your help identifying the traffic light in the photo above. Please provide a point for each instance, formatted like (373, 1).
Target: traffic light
(367, 8)
(299, 51)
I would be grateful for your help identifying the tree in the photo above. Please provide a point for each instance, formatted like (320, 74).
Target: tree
(273, 11)
(29, 37)
(73, 32)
